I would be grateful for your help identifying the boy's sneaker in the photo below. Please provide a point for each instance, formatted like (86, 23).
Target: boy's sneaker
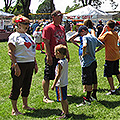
(93, 99)
(85, 102)
(47, 100)
(111, 93)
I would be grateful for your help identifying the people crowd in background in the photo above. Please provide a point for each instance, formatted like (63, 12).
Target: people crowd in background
(99, 27)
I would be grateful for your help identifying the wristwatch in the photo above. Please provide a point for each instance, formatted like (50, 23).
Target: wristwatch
(14, 64)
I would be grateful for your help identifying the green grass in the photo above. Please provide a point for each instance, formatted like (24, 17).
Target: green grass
(107, 107)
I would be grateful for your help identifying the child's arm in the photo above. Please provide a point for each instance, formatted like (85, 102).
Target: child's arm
(72, 40)
(57, 76)
(100, 47)
(103, 31)
(84, 49)
(93, 32)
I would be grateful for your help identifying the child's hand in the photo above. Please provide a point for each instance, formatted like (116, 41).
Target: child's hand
(52, 88)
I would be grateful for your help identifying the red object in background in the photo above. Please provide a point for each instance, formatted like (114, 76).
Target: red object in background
(38, 46)
(118, 22)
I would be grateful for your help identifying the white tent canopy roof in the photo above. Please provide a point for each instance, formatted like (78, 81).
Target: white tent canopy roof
(87, 10)
(5, 15)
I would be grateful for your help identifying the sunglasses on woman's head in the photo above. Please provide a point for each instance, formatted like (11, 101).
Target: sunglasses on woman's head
(25, 23)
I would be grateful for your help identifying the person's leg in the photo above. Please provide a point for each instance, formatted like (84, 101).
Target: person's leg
(89, 90)
(64, 104)
(25, 105)
(49, 74)
(94, 91)
(14, 108)
(28, 72)
(15, 92)
(118, 77)
(110, 80)
(45, 84)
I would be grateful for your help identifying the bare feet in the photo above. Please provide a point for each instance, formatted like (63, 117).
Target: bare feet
(16, 113)
(28, 108)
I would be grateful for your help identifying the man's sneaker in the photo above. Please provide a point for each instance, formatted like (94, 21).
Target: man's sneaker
(47, 100)
(111, 93)
(85, 102)
(65, 116)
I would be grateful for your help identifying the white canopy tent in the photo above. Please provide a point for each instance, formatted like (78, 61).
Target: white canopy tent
(4, 15)
(89, 12)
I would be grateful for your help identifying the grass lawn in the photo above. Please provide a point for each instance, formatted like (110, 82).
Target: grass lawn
(106, 108)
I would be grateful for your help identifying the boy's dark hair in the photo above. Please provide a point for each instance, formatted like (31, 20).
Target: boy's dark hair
(54, 13)
(61, 48)
(111, 24)
(88, 23)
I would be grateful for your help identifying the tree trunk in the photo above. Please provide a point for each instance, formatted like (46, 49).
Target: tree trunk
(83, 3)
(26, 5)
(90, 1)
(51, 6)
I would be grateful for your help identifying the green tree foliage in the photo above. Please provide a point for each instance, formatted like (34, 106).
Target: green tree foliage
(74, 7)
(8, 5)
(97, 3)
(21, 7)
(45, 7)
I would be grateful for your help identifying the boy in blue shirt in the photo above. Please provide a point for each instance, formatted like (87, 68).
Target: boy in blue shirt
(89, 64)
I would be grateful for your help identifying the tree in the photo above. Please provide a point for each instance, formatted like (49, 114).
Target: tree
(26, 5)
(8, 5)
(22, 6)
(46, 7)
(96, 3)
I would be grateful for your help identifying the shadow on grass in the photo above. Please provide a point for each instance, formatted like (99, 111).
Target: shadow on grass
(74, 99)
(102, 90)
(39, 113)
(44, 113)
(110, 104)
(80, 117)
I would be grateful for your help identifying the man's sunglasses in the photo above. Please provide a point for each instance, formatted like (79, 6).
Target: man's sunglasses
(25, 23)
(58, 15)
